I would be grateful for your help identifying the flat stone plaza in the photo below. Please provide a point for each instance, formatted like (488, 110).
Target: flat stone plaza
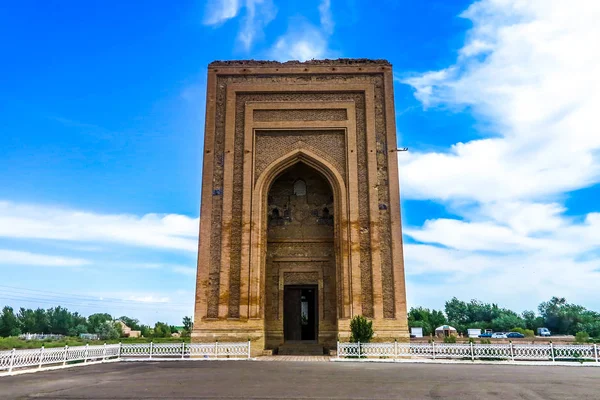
(303, 380)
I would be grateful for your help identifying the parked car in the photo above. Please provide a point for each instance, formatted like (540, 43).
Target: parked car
(514, 335)
(499, 335)
(486, 334)
(543, 332)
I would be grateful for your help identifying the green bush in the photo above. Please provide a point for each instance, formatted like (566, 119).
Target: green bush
(362, 329)
(582, 337)
(485, 341)
(526, 332)
(450, 339)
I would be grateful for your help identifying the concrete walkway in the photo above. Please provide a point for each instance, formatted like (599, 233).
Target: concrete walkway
(233, 380)
(295, 358)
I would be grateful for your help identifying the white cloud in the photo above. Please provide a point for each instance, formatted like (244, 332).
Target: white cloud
(528, 72)
(219, 11)
(301, 43)
(305, 41)
(13, 257)
(259, 13)
(167, 231)
(325, 16)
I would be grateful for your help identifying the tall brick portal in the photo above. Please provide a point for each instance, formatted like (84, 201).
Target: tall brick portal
(300, 220)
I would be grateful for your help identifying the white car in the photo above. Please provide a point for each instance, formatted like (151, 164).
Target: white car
(499, 335)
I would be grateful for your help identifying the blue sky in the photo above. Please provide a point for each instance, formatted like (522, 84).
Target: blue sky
(101, 127)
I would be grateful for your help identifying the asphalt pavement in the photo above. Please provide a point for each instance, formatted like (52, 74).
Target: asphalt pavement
(303, 380)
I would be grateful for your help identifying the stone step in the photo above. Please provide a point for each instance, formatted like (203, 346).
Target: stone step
(301, 349)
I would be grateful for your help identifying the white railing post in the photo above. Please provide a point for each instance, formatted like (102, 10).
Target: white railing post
(512, 353)
(359, 349)
(65, 358)
(249, 353)
(217, 349)
(41, 357)
(472, 352)
(433, 348)
(120, 347)
(85, 354)
(182, 349)
(596, 352)
(12, 360)
(552, 351)
(151, 345)
(395, 349)
(104, 353)
(337, 350)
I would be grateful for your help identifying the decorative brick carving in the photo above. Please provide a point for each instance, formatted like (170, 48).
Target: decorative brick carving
(301, 115)
(336, 119)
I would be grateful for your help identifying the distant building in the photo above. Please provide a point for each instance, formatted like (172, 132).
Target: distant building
(445, 331)
(416, 332)
(128, 332)
(88, 336)
(40, 336)
(474, 332)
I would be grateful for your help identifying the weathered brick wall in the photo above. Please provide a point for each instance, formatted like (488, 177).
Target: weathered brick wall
(348, 109)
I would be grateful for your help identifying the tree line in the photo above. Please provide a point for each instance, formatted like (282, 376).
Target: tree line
(559, 316)
(59, 320)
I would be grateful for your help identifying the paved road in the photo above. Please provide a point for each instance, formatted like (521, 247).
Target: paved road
(303, 380)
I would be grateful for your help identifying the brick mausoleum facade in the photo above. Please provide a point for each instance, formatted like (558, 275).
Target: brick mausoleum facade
(300, 219)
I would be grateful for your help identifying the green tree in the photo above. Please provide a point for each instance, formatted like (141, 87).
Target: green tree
(562, 317)
(426, 319)
(362, 329)
(133, 323)
(42, 322)
(61, 320)
(108, 330)
(96, 320)
(188, 324)
(506, 321)
(9, 323)
(27, 321)
(161, 330)
(457, 312)
(77, 330)
(146, 331)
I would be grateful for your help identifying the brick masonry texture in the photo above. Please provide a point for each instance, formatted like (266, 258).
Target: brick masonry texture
(301, 244)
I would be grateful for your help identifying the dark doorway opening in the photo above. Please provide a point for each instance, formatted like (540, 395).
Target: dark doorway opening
(300, 313)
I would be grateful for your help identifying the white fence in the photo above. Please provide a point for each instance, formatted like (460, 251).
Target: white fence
(38, 358)
(472, 351)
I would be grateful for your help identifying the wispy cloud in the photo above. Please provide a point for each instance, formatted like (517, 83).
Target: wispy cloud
(219, 11)
(524, 70)
(168, 231)
(325, 16)
(304, 40)
(13, 257)
(258, 14)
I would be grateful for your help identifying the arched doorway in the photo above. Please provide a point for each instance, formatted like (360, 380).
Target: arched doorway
(300, 260)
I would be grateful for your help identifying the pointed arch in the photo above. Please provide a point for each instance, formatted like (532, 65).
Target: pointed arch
(258, 237)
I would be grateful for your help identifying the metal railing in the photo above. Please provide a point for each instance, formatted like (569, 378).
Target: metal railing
(472, 351)
(12, 360)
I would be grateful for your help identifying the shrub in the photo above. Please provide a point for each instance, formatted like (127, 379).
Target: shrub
(526, 332)
(362, 329)
(582, 337)
(450, 339)
(485, 341)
